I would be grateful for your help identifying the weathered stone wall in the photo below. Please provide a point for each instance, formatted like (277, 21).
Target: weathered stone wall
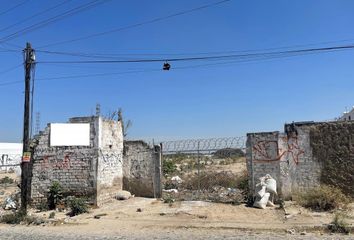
(142, 169)
(110, 160)
(333, 147)
(93, 171)
(305, 156)
(73, 167)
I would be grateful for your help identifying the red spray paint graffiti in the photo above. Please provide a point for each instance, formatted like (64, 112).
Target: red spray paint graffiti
(269, 151)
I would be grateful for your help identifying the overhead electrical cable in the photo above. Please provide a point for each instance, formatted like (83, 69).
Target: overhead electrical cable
(158, 19)
(56, 18)
(96, 75)
(14, 7)
(11, 69)
(226, 59)
(212, 57)
(34, 15)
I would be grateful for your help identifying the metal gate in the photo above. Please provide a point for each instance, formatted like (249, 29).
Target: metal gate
(205, 169)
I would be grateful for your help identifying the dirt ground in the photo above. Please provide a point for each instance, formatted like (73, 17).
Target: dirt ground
(143, 218)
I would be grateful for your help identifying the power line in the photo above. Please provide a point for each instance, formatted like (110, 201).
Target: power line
(10, 83)
(14, 7)
(203, 58)
(56, 18)
(115, 55)
(82, 76)
(11, 69)
(96, 75)
(34, 15)
(137, 24)
(227, 59)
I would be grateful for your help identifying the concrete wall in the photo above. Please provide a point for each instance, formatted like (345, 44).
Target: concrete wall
(290, 157)
(92, 171)
(262, 154)
(110, 160)
(142, 169)
(10, 154)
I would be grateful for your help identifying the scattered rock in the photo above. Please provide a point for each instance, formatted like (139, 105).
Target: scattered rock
(303, 233)
(123, 195)
(288, 216)
(38, 221)
(98, 216)
(176, 180)
(139, 210)
(170, 190)
(10, 204)
(291, 231)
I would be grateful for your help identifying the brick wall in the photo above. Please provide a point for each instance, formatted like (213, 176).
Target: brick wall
(73, 167)
(93, 171)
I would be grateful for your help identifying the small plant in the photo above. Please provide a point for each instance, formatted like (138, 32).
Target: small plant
(168, 167)
(323, 198)
(13, 218)
(52, 215)
(339, 224)
(6, 180)
(168, 199)
(77, 206)
(55, 195)
(43, 206)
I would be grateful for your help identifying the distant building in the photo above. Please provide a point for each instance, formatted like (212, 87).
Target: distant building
(347, 115)
(10, 156)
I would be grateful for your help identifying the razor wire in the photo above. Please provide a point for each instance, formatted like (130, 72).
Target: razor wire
(203, 145)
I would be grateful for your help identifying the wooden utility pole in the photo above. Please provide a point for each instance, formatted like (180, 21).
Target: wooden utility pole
(29, 61)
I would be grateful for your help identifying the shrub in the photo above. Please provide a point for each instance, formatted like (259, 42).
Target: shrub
(77, 206)
(13, 218)
(52, 215)
(6, 180)
(168, 167)
(242, 182)
(208, 180)
(323, 198)
(43, 206)
(55, 195)
(339, 224)
(168, 199)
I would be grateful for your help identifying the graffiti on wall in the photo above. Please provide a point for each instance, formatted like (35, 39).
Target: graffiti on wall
(111, 161)
(269, 151)
(265, 150)
(293, 149)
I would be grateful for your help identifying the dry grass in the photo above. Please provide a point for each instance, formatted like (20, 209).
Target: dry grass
(323, 198)
(210, 179)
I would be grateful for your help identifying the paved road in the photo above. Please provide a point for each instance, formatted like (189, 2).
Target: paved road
(44, 233)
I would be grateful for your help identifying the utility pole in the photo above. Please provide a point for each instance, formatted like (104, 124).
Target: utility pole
(29, 61)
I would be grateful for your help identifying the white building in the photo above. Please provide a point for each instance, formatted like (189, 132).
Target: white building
(10, 156)
(347, 115)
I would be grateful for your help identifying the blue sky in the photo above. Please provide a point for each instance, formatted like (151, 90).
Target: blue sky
(215, 101)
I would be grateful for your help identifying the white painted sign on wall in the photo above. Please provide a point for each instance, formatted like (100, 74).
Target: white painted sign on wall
(69, 134)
